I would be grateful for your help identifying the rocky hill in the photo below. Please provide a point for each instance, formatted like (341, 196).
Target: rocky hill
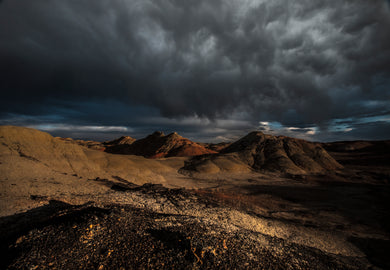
(159, 145)
(268, 153)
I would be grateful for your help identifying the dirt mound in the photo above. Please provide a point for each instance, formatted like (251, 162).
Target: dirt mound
(158, 145)
(268, 153)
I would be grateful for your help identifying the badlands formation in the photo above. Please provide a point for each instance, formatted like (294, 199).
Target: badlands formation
(166, 202)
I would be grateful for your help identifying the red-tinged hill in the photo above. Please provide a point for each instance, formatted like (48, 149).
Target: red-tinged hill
(159, 145)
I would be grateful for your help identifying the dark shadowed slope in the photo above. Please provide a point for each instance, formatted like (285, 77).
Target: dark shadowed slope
(360, 153)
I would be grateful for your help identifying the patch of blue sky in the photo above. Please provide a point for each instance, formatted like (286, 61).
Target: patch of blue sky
(347, 124)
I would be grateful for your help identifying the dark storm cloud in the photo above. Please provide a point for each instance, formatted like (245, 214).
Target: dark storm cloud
(299, 63)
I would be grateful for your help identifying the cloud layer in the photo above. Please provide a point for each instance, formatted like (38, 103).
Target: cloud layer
(301, 64)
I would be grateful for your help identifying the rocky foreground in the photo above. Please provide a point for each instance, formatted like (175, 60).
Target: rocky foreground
(156, 228)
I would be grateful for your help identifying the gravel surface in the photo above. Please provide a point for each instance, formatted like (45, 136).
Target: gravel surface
(104, 235)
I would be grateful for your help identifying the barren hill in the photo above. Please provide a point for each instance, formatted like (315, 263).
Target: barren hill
(33, 162)
(268, 153)
(158, 145)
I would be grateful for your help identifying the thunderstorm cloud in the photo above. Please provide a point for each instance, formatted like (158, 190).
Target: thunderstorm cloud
(210, 69)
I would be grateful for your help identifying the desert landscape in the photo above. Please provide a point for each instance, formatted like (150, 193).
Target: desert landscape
(165, 202)
(203, 134)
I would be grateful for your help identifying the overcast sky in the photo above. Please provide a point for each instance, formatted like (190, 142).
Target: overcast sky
(210, 70)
